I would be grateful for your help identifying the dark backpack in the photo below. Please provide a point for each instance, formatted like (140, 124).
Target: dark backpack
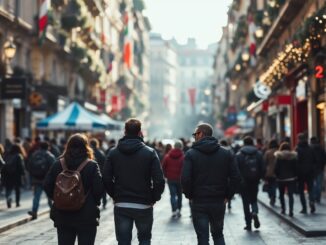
(10, 164)
(69, 192)
(251, 169)
(39, 165)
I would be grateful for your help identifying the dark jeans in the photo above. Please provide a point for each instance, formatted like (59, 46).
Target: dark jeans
(9, 190)
(290, 185)
(310, 182)
(318, 187)
(124, 219)
(205, 215)
(271, 188)
(67, 235)
(175, 195)
(249, 198)
(38, 189)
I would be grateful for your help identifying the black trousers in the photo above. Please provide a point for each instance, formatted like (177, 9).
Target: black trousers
(85, 235)
(249, 199)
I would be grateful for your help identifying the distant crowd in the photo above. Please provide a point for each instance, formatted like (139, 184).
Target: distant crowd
(78, 173)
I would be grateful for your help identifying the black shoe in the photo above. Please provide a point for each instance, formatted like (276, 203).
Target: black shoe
(303, 211)
(256, 220)
(9, 203)
(248, 228)
(17, 205)
(291, 214)
(283, 211)
(33, 214)
(312, 208)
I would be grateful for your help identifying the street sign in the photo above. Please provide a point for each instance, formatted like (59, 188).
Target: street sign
(13, 88)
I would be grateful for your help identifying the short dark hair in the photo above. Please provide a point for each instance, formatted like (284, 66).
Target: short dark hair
(285, 146)
(44, 145)
(314, 140)
(302, 137)
(273, 144)
(248, 140)
(206, 129)
(132, 127)
(94, 143)
(223, 142)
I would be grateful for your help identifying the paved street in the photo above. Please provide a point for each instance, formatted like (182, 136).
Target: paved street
(167, 231)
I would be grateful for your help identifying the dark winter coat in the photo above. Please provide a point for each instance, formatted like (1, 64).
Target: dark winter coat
(307, 162)
(240, 159)
(209, 173)
(99, 157)
(172, 164)
(89, 214)
(132, 172)
(9, 179)
(286, 165)
(320, 157)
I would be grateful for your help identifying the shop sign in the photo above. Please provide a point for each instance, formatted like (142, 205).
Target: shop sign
(13, 88)
(319, 72)
(261, 90)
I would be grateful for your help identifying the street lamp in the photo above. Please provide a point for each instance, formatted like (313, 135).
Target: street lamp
(9, 49)
(259, 32)
(245, 56)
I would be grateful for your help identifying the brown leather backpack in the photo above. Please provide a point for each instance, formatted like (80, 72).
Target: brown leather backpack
(69, 192)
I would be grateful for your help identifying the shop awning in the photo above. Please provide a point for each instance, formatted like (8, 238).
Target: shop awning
(232, 131)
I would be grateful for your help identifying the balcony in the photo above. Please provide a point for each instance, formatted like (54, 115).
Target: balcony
(287, 13)
(93, 6)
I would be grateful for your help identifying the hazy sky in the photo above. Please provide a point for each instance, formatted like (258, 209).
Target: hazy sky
(202, 19)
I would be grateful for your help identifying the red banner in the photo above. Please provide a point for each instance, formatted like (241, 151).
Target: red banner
(102, 96)
(192, 96)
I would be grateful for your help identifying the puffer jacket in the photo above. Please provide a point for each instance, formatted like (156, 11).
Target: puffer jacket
(172, 164)
(286, 165)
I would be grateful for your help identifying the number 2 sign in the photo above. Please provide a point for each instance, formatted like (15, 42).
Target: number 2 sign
(319, 72)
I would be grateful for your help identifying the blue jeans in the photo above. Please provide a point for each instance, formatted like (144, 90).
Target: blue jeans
(124, 219)
(37, 197)
(175, 195)
(205, 215)
(318, 187)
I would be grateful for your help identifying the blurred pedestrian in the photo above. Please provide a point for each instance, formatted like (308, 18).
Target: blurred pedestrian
(133, 177)
(209, 179)
(172, 166)
(54, 148)
(112, 144)
(99, 157)
(251, 166)
(80, 223)
(38, 165)
(320, 166)
(307, 165)
(286, 174)
(12, 172)
(270, 178)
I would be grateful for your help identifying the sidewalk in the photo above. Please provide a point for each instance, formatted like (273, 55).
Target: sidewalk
(12, 217)
(310, 225)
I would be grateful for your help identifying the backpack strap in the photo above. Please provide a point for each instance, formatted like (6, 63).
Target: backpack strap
(82, 165)
(63, 164)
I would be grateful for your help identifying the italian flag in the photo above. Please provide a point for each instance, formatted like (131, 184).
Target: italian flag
(127, 47)
(43, 19)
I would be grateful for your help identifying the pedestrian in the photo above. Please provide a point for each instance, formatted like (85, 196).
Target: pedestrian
(12, 172)
(38, 166)
(320, 166)
(81, 223)
(172, 166)
(209, 179)
(286, 174)
(54, 148)
(112, 144)
(270, 178)
(133, 177)
(251, 166)
(100, 159)
(307, 165)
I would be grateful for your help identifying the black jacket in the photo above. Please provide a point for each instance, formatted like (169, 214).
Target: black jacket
(320, 157)
(286, 165)
(9, 179)
(240, 159)
(132, 172)
(89, 214)
(209, 172)
(99, 157)
(307, 162)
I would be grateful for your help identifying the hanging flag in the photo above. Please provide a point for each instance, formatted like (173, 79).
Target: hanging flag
(127, 47)
(192, 96)
(43, 19)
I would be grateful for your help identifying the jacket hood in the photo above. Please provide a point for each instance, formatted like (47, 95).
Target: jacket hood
(206, 145)
(129, 145)
(249, 150)
(175, 153)
(286, 155)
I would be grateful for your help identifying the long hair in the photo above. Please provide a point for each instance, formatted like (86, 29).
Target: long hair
(77, 148)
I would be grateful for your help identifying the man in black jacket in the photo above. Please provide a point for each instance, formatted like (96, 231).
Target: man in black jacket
(209, 179)
(133, 177)
(251, 166)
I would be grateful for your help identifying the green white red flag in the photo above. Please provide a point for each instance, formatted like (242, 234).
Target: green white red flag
(43, 18)
(127, 47)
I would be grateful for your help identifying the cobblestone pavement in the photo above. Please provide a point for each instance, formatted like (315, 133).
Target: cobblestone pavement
(167, 231)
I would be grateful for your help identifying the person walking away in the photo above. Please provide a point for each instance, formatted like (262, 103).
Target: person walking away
(38, 166)
(133, 177)
(321, 160)
(112, 144)
(270, 178)
(307, 165)
(172, 166)
(209, 179)
(251, 166)
(286, 176)
(12, 172)
(100, 159)
(54, 148)
(76, 212)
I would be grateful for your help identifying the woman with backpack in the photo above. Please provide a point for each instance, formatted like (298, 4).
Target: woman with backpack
(286, 174)
(75, 185)
(12, 172)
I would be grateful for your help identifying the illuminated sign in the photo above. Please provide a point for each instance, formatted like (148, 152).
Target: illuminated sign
(319, 72)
